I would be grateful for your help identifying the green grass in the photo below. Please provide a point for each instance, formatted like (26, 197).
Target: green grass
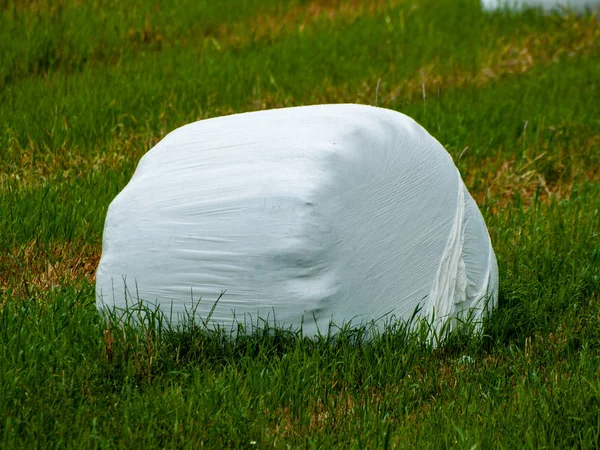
(87, 87)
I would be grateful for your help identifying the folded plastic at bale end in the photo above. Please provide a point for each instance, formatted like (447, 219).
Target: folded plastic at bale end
(301, 217)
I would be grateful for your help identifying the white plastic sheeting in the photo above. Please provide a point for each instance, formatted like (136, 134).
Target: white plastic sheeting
(304, 216)
(576, 5)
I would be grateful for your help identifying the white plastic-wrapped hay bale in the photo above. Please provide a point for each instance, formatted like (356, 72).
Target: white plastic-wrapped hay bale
(304, 216)
(575, 5)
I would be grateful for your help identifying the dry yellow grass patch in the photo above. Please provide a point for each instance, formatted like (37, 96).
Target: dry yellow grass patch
(299, 18)
(544, 177)
(41, 267)
(518, 55)
(329, 413)
(512, 56)
(421, 389)
(32, 166)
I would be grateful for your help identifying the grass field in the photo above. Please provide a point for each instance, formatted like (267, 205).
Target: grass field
(86, 88)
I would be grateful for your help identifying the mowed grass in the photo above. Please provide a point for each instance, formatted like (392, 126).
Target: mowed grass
(86, 88)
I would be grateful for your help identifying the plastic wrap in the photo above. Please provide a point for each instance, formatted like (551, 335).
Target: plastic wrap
(576, 5)
(303, 216)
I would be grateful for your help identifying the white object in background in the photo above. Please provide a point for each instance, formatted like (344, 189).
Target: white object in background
(576, 5)
(306, 215)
